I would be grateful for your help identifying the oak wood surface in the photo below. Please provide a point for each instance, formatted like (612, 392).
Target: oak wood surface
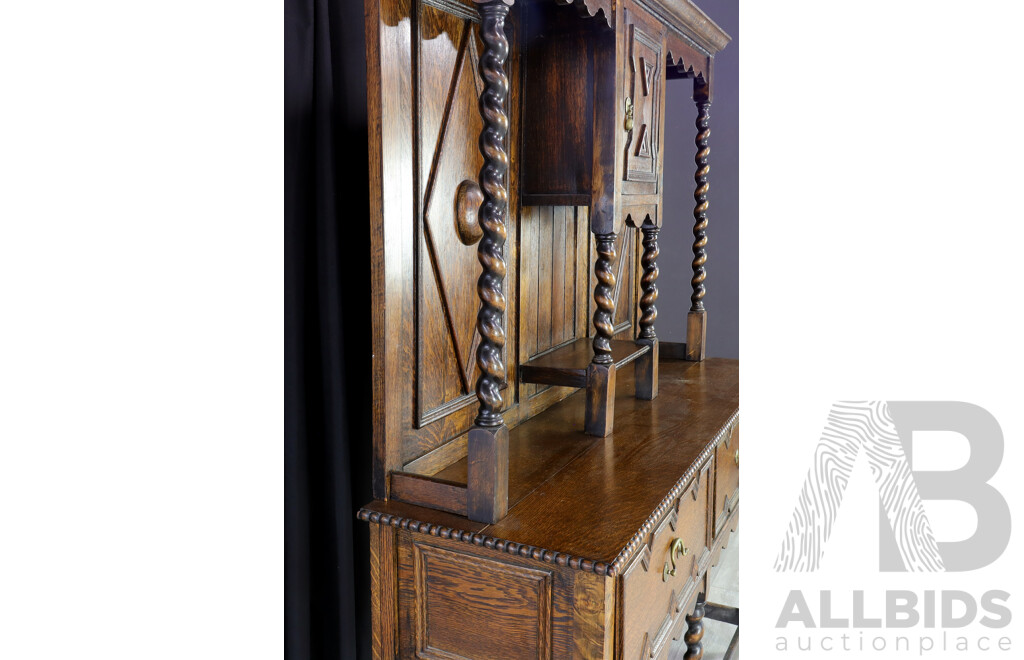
(604, 488)
(567, 365)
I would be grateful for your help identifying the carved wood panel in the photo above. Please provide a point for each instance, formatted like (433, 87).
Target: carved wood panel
(465, 606)
(449, 160)
(644, 88)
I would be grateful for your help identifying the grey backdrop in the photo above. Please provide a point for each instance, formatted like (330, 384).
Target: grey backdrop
(722, 297)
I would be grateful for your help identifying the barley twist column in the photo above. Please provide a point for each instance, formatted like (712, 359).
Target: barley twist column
(600, 407)
(696, 322)
(487, 478)
(649, 282)
(604, 314)
(646, 366)
(695, 631)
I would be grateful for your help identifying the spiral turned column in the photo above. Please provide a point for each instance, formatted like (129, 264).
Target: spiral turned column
(600, 408)
(487, 478)
(700, 211)
(646, 366)
(696, 321)
(695, 631)
(649, 282)
(604, 313)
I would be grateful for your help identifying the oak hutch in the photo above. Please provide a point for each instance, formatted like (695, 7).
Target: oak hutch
(552, 481)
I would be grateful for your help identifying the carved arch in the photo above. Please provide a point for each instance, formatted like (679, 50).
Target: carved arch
(686, 64)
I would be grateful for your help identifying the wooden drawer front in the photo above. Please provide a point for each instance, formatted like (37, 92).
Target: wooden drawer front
(654, 602)
(644, 88)
(727, 480)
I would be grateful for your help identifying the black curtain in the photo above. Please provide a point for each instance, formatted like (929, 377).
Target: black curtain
(327, 331)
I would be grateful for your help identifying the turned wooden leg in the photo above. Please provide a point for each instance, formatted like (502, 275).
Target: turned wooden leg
(695, 631)
(600, 410)
(646, 366)
(487, 478)
(696, 321)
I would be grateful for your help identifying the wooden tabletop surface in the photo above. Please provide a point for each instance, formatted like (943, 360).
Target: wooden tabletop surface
(587, 497)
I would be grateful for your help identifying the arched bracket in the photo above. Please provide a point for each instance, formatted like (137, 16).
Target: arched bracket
(591, 8)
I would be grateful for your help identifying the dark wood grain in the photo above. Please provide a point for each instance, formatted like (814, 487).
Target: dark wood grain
(429, 491)
(606, 488)
(567, 365)
(604, 298)
(599, 417)
(384, 596)
(487, 473)
(449, 609)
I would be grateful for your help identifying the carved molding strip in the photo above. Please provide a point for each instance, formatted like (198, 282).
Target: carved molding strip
(551, 556)
(487, 541)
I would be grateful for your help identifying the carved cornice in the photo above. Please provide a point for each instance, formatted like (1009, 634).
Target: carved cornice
(685, 18)
(550, 556)
(592, 8)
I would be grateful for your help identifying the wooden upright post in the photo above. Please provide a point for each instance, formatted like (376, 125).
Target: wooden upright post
(487, 477)
(696, 320)
(600, 407)
(646, 366)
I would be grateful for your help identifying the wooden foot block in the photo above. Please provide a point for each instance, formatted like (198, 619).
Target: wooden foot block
(600, 415)
(645, 370)
(696, 326)
(487, 473)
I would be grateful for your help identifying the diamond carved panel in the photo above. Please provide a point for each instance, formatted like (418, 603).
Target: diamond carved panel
(449, 128)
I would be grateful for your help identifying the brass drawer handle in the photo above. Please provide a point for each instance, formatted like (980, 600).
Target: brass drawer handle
(677, 548)
(736, 457)
(629, 114)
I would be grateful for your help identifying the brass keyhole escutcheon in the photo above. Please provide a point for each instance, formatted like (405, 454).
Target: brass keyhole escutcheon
(629, 114)
(736, 457)
(677, 549)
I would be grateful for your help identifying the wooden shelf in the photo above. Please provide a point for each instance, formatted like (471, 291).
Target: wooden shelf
(602, 488)
(567, 366)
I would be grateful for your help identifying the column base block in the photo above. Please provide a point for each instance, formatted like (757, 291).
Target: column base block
(600, 412)
(696, 328)
(646, 370)
(487, 473)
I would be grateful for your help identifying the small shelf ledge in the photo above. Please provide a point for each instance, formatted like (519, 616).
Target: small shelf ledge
(567, 366)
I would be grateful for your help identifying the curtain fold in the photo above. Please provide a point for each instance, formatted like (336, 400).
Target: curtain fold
(327, 331)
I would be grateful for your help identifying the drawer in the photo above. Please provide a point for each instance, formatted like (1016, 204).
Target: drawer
(727, 478)
(653, 600)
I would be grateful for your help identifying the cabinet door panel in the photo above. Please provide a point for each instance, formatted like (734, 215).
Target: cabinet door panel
(644, 87)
